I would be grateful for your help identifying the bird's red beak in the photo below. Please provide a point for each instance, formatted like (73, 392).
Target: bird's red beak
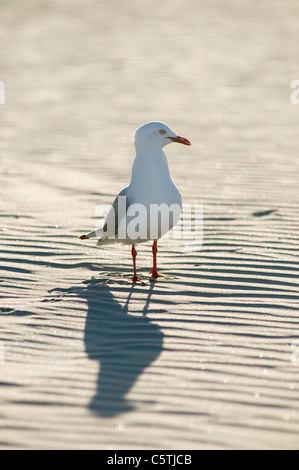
(180, 140)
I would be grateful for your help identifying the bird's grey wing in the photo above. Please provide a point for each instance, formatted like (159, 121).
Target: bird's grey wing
(117, 211)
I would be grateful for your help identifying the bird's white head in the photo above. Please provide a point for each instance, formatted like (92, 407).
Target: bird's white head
(157, 135)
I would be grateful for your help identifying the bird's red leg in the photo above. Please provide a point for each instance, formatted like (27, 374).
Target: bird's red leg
(135, 278)
(154, 271)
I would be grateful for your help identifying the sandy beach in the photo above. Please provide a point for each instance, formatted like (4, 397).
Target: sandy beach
(208, 356)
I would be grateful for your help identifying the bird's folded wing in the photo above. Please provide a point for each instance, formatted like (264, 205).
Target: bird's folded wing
(115, 214)
(117, 211)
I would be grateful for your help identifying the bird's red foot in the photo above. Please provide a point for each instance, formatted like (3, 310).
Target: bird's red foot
(137, 280)
(155, 274)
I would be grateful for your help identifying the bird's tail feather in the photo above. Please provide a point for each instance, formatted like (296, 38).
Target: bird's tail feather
(89, 235)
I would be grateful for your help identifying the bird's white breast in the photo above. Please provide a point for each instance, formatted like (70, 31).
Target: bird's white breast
(153, 196)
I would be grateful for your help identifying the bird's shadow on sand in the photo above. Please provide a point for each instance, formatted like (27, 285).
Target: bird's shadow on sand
(124, 344)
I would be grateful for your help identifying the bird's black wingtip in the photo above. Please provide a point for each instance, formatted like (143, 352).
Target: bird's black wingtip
(83, 237)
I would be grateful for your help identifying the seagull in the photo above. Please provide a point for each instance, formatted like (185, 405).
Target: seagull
(151, 194)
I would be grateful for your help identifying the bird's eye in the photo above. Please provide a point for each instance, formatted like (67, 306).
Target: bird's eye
(162, 131)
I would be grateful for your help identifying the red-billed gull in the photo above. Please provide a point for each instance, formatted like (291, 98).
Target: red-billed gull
(151, 194)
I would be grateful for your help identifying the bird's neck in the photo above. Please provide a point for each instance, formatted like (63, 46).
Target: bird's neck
(149, 165)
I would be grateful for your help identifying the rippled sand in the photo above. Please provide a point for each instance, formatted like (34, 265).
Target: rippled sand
(208, 357)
